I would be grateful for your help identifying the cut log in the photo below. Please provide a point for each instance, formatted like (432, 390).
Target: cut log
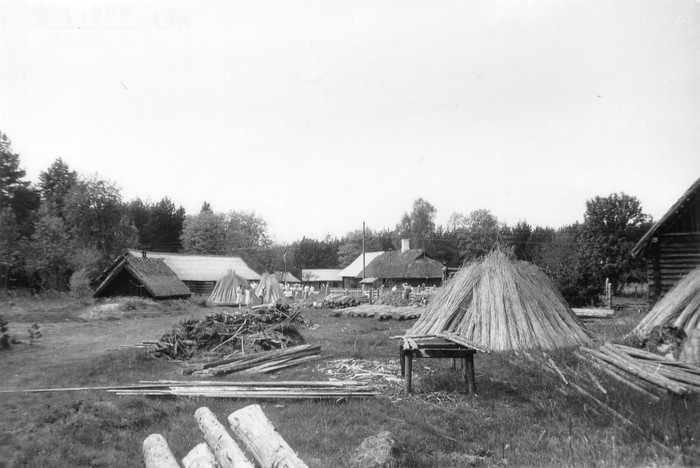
(256, 432)
(200, 457)
(226, 450)
(157, 454)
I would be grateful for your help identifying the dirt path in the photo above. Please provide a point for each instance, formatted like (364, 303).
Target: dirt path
(67, 343)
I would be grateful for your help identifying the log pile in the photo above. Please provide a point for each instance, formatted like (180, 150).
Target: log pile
(256, 443)
(380, 312)
(222, 334)
(643, 371)
(262, 362)
(333, 301)
(397, 298)
(593, 313)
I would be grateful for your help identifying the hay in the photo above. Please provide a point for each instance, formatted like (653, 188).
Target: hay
(502, 305)
(679, 308)
(224, 292)
(269, 290)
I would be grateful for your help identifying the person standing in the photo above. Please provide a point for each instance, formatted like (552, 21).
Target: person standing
(239, 296)
(247, 298)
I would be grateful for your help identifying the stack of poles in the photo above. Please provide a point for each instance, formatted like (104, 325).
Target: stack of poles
(264, 362)
(266, 390)
(255, 442)
(679, 308)
(642, 371)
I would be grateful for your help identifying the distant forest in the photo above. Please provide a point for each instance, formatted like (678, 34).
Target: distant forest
(68, 225)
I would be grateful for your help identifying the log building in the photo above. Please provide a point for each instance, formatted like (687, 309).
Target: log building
(671, 247)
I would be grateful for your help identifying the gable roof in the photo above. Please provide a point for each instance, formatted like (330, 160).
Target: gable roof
(190, 267)
(412, 263)
(678, 209)
(286, 277)
(316, 275)
(155, 276)
(355, 268)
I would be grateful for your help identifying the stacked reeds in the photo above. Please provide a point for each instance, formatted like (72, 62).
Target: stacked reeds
(269, 290)
(225, 291)
(500, 305)
(679, 308)
(644, 371)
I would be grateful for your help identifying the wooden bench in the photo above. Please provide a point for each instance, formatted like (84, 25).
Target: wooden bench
(444, 345)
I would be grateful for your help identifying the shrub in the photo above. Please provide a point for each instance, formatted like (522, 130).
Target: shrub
(4, 335)
(80, 286)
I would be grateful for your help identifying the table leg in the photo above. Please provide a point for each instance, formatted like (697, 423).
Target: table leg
(409, 372)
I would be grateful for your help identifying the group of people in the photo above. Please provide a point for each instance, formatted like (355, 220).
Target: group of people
(297, 291)
(243, 294)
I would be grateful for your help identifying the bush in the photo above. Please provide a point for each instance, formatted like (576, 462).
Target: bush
(4, 336)
(80, 286)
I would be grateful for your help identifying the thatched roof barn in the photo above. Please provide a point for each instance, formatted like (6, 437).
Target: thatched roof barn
(140, 277)
(225, 292)
(412, 266)
(679, 308)
(201, 272)
(286, 277)
(501, 305)
(671, 247)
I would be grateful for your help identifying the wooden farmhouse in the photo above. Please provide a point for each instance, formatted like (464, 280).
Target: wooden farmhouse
(285, 277)
(671, 248)
(201, 272)
(320, 278)
(412, 266)
(140, 277)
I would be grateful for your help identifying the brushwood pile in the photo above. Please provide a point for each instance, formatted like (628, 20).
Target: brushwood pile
(224, 333)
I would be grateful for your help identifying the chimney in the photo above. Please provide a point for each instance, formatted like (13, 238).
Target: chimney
(143, 254)
(405, 245)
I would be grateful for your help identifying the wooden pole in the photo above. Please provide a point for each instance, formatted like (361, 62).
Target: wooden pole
(261, 440)
(200, 457)
(226, 450)
(409, 371)
(157, 454)
(469, 373)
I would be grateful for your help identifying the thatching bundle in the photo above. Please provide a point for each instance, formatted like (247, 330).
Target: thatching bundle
(679, 308)
(269, 290)
(501, 305)
(224, 292)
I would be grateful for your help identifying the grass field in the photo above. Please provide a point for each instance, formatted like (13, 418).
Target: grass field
(518, 418)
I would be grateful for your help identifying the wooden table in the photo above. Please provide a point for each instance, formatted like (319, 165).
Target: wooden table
(437, 346)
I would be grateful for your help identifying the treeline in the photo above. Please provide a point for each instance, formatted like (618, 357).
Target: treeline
(71, 225)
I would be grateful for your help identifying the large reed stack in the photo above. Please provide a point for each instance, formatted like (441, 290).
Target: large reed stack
(224, 292)
(270, 290)
(502, 305)
(679, 308)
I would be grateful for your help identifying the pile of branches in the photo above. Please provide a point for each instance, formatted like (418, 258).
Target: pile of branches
(219, 335)
(333, 301)
(397, 299)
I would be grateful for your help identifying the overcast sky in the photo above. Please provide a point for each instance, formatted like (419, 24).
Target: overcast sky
(319, 115)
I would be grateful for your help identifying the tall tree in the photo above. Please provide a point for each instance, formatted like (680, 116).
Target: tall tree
(15, 192)
(97, 218)
(479, 236)
(204, 233)
(164, 226)
(612, 226)
(55, 183)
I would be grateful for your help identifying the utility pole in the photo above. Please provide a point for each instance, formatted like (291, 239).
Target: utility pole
(363, 250)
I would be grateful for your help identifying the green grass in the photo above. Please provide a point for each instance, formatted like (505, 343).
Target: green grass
(518, 418)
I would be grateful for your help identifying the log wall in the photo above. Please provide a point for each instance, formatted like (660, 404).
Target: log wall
(673, 256)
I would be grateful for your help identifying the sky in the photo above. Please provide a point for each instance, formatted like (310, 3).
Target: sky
(320, 115)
